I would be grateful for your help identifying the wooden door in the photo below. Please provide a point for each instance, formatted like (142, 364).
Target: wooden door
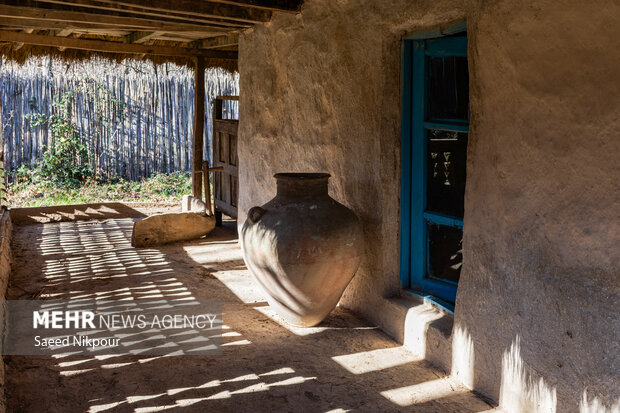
(226, 182)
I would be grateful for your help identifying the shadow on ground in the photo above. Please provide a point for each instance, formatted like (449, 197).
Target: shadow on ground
(341, 365)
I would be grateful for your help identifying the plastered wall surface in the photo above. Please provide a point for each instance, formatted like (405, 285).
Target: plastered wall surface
(537, 324)
(6, 228)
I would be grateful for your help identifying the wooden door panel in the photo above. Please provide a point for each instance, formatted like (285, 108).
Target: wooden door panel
(226, 182)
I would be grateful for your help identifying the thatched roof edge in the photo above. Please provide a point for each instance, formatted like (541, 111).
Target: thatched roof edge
(72, 55)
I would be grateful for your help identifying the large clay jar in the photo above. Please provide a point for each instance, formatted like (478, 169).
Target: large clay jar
(303, 248)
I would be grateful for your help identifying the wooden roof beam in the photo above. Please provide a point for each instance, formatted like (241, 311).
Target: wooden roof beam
(141, 37)
(32, 24)
(102, 8)
(219, 41)
(19, 45)
(64, 33)
(162, 8)
(290, 6)
(113, 47)
(38, 14)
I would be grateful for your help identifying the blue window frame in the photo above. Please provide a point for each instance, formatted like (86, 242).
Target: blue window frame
(435, 125)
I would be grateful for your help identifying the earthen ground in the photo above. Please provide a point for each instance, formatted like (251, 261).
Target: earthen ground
(345, 364)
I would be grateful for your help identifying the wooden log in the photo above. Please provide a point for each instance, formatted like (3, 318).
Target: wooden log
(177, 125)
(220, 41)
(164, 8)
(100, 20)
(168, 136)
(291, 6)
(165, 125)
(171, 227)
(141, 37)
(113, 47)
(61, 28)
(207, 184)
(199, 116)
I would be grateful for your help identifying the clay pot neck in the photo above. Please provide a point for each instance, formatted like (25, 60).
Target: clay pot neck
(301, 185)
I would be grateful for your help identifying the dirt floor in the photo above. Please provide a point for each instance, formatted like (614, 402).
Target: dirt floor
(340, 366)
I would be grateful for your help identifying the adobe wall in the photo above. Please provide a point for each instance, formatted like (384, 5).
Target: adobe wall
(537, 319)
(5, 270)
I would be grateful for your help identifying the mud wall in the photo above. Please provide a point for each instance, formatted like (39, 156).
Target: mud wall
(537, 302)
(5, 270)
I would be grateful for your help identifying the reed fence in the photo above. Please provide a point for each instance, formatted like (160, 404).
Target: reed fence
(136, 118)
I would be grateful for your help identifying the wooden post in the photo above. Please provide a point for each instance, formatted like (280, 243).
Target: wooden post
(199, 122)
(207, 184)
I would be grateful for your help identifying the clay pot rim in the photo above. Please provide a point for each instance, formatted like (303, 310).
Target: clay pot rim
(306, 176)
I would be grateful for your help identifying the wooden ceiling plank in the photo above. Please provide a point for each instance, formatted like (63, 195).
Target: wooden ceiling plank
(141, 37)
(31, 13)
(219, 41)
(22, 24)
(43, 24)
(290, 6)
(64, 33)
(112, 47)
(172, 38)
(147, 10)
(189, 7)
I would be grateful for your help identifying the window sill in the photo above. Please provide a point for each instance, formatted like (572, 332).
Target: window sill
(432, 300)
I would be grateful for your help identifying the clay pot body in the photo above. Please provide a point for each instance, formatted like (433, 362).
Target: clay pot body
(303, 247)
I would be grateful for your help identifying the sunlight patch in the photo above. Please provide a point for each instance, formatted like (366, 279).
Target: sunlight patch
(423, 392)
(375, 360)
(521, 390)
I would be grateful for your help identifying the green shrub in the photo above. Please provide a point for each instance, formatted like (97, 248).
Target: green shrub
(66, 161)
